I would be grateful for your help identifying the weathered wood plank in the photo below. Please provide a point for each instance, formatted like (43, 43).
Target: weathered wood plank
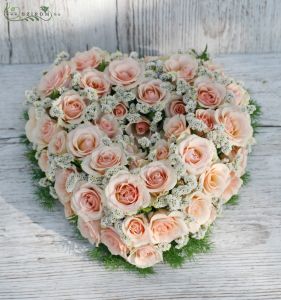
(80, 26)
(147, 26)
(5, 43)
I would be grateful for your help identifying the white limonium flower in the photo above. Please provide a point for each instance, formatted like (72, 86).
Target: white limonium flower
(61, 57)
(144, 142)
(31, 96)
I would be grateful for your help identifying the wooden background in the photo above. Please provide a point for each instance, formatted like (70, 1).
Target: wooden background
(40, 257)
(147, 26)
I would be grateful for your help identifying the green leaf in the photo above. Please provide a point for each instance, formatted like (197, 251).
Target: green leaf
(44, 197)
(25, 115)
(255, 116)
(146, 210)
(102, 66)
(176, 257)
(246, 178)
(203, 55)
(55, 94)
(73, 220)
(77, 163)
(24, 140)
(233, 200)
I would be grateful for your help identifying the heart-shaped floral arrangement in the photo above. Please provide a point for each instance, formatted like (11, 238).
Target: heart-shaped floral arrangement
(142, 153)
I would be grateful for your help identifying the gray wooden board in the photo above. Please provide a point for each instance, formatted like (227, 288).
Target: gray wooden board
(41, 258)
(147, 26)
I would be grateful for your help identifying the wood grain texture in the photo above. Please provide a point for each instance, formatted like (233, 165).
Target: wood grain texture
(40, 257)
(147, 26)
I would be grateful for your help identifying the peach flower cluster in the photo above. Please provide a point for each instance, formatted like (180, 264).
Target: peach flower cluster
(142, 153)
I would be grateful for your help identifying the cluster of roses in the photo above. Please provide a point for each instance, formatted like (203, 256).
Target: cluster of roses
(143, 151)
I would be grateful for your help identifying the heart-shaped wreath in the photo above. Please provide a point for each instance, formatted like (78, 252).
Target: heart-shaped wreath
(142, 153)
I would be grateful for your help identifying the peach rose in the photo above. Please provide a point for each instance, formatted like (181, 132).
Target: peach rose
(57, 77)
(175, 106)
(233, 187)
(136, 229)
(57, 144)
(140, 128)
(31, 124)
(40, 131)
(87, 200)
(145, 256)
(112, 240)
(237, 124)
(150, 92)
(126, 192)
(175, 126)
(126, 72)
(165, 227)
(43, 160)
(120, 110)
(210, 94)
(158, 176)
(109, 125)
(90, 230)
(162, 150)
(104, 158)
(197, 153)
(200, 210)
(88, 59)
(241, 96)
(60, 184)
(72, 106)
(96, 80)
(207, 116)
(185, 65)
(83, 140)
(215, 180)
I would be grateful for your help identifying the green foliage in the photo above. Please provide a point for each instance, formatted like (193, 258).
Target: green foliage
(246, 178)
(30, 154)
(176, 257)
(255, 116)
(55, 94)
(114, 262)
(24, 140)
(73, 220)
(203, 55)
(233, 200)
(44, 197)
(77, 163)
(146, 210)
(25, 115)
(102, 66)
